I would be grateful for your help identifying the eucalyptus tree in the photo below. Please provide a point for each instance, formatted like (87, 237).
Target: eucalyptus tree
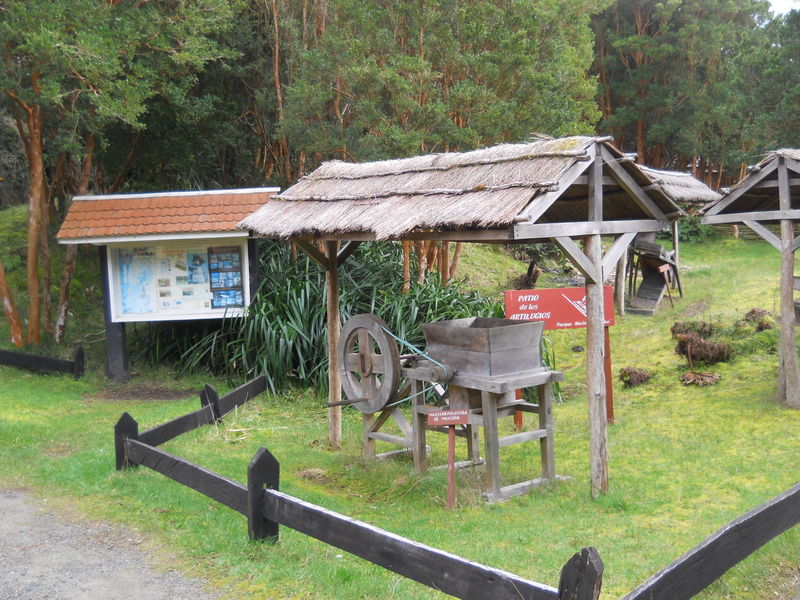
(72, 67)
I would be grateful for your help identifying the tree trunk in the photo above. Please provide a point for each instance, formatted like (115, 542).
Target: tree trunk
(406, 266)
(454, 261)
(35, 202)
(10, 309)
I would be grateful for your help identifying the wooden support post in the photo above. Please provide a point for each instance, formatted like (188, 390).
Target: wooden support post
(546, 448)
(789, 376)
(595, 343)
(619, 283)
(595, 376)
(334, 328)
(116, 343)
(491, 439)
(263, 471)
(406, 266)
(210, 397)
(126, 427)
(368, 424)
(609, 378)
(676, 245)
(420, 447)
(582, 576)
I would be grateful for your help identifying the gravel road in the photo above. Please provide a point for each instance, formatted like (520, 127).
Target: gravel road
(55, 557)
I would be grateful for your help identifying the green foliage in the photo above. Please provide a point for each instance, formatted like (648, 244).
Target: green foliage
(283, 333)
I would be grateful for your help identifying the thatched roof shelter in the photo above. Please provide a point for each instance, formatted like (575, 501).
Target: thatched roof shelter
(550, 189)
(770, 194)
(488, 189)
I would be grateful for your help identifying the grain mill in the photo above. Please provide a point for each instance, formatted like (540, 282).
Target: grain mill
(481, 361)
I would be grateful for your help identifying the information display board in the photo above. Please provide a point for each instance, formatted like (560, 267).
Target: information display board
(168, 281)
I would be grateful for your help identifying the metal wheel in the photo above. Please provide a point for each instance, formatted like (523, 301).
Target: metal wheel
(369, 363)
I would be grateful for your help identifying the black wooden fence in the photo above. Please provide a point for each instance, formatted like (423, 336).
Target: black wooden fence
(267, 508)
(45, 364)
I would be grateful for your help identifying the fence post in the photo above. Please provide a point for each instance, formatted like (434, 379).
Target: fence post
(210, 396)
(582, 576)
(79, 363)
(126, 427)
(263, 471)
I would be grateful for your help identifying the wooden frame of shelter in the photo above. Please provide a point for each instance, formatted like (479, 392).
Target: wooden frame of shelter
(571, 191)
(769, 195)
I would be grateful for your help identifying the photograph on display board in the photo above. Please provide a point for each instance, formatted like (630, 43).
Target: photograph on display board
(198, 268)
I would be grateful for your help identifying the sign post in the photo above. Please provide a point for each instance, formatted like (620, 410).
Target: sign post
(450, 418)
(563, 308)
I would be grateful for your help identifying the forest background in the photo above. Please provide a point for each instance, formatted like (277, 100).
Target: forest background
(136, 96)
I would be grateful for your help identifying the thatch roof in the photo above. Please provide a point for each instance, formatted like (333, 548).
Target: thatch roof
(481, 189)
(681, 187)
(758, 190)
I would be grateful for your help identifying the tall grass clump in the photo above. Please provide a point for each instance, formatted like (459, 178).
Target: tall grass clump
(283, 333)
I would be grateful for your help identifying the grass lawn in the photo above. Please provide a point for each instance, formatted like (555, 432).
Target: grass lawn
(683, 462)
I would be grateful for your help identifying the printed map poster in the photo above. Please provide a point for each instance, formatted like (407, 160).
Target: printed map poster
(176, 281)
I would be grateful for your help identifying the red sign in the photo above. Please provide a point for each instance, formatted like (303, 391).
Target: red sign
(449, 417)
(559, 308)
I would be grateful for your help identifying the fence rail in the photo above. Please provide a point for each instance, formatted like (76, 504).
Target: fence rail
(707, 562)
(45, 364)
(267, 508)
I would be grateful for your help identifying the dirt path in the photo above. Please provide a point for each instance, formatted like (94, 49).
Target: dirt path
(44, 555)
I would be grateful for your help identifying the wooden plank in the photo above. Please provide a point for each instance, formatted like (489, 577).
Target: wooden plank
(315, 255)
(35, 362)
(762, 215)
(587, 267)
(219, 488)
(582, 576)
(765, 233)
(346, 251)
(634, 190)
(500, 385)
(537, 231)
(392, 439)
(521, 438)
(172, 429)
(242, 394)
(618, 249)
(749, 184)
(709, 560)
(435, 568)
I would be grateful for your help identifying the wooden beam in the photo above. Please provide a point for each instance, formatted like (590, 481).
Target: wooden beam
(483, 236)
(748, 185)
(595, 213)
(581, 262)
(315, 255)
(116, 341)
(526, 231)
(618, 249)
(334, 328)
(541, 202)
(765, 233)
(629, 185)
(767, 185)
(346, 251)
(789, 373)
(796, 243)
(762, 215)
(607, 181)
(793, 165)
(595, 373)
(441, 570)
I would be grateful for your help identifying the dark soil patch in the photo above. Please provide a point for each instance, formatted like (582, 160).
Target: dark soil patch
(142, 391)
(696, 309)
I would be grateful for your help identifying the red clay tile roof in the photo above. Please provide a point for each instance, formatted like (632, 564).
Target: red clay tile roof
(165, 213)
